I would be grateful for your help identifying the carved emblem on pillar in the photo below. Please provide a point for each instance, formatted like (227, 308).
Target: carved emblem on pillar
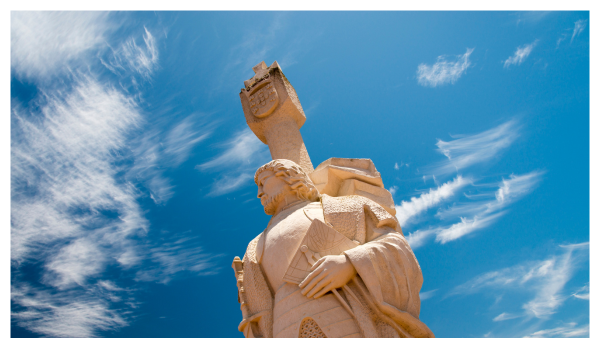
(263, 99)
(274, 113)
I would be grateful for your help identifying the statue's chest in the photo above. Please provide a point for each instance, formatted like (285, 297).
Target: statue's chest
(281, 242)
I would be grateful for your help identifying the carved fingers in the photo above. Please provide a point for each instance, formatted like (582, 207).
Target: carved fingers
(311, 281)
(327, 273)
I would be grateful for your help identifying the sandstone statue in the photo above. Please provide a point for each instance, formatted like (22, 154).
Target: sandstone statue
(333, 261)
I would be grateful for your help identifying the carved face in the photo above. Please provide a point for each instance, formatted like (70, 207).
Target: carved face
(271, 191)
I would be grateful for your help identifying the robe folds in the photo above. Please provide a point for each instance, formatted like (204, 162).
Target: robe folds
(384, 295)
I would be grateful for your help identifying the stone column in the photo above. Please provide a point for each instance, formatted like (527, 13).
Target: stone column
(273, 112)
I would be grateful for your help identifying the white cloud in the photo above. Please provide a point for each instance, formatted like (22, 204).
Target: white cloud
(418, 238)
(583, 293)
(74, 264)
(74, 214)
(505, 316)
(487, 211)
(516, 187)
(141, 59)
(443, 71)
(427, 294)
(417, 205)
(157, 150)
(242, 148)
(61, 166)
(520, 55)
(175, 257)
(182, 138)
(570, 330)
(393, 190)
(66, 315)
(579, 27)
(466, 151)
(74, 209)
(464, 227)
(244, 153)
(63, 179)
(473, 215)
(560, 39)
(544, 279)
(46, 43)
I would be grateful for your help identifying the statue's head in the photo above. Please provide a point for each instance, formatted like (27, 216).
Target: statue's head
(281, 178)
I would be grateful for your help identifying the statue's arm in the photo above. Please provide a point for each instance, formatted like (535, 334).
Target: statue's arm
(390, 271)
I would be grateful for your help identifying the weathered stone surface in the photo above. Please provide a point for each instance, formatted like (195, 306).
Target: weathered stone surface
(273, 112)
(333, 261)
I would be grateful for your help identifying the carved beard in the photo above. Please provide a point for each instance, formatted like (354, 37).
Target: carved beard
(273, 201)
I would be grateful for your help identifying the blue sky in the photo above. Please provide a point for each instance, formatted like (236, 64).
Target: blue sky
(131, 162)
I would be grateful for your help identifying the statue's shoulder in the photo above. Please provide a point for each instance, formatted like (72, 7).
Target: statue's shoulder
(343, 208)
(251, 249)
(353, 203)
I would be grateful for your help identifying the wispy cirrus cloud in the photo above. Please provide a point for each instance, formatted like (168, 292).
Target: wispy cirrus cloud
(568, 330)
(427, 294)
(445, 70)
(531, 16)
(545, 280)
(243, 153)
(520, 54)
(131, 57)
(74, 211)
(486, 212)
(478, 214)
(408, 209)
(420, 237)
(466, 151)
(583, 293)
(174, 257)
(579, 27)
(48, 43)
(158, 150)
(61, 166)
(505, 316)
(69, 314)
(182, 138)
(74, 214)
(63, 183)
(464, 227)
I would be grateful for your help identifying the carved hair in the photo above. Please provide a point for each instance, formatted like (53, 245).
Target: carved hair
(294, 176)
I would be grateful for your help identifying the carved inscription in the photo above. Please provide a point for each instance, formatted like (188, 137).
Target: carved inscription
(264, 100)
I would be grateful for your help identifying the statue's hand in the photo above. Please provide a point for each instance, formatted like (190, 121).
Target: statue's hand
(329, 272)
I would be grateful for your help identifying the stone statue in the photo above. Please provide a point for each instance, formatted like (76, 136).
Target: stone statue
(333, 261)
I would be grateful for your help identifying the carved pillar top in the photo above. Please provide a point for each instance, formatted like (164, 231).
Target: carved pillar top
(273, 112)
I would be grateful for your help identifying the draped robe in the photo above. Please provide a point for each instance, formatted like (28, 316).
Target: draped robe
(384, 295)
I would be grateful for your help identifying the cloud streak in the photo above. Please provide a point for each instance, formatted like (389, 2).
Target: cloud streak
(520, 54)
(569, 330)
(579, 27)
(74, 209)
(477, 215)
(505, 316)
(243, 153)
(46, 43)
(63, 183)
(157, 151)
(175, 257)
(488, 211)
(408, 209)
(131, 57)
(444, 71)
(59, 315)
(467, 151)
(544, 279)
